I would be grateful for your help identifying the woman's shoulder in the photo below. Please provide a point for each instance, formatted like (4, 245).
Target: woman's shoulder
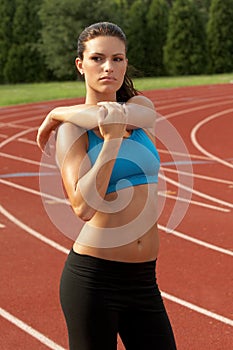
(67, 131)
(69, 135)
(141, 100)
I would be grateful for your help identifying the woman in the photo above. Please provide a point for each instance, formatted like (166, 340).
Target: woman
(109, 166)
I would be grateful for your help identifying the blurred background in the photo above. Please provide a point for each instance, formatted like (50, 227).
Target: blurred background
(38, 38)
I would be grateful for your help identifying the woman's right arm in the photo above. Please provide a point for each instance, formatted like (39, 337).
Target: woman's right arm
(86, 114)
(86, 185)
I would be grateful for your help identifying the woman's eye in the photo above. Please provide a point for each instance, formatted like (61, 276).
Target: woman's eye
(118, 59)
(96, 58)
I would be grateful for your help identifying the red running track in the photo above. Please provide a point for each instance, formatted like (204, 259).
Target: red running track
(196, 201)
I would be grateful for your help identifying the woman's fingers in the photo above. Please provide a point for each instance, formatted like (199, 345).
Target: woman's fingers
(42, 142)
(47, 149)
(116, 113)
(44, 132)
(112, 120)
(101, 115)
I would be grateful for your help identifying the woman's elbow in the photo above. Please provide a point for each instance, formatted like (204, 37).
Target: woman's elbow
(83, 212)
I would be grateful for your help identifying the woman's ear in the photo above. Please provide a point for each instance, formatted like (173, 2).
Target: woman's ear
(79, 65)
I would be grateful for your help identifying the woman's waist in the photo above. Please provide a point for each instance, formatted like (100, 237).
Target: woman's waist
(93, 264)
(126, 229)
(126, 247)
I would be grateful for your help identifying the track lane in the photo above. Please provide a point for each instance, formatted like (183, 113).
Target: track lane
(203, 258)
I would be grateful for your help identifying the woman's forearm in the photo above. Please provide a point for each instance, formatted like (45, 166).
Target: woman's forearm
(91, 188)
(82, 115)
(140, 114)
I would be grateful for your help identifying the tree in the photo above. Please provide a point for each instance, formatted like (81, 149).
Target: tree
(202, 4)
(220, 36)
(121, 9)
(24, 63)
(62, 22)
(157, 24)
(185, 50)
(136, 34)
(7, 9)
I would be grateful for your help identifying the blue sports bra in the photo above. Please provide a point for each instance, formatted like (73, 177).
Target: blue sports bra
(137, 161)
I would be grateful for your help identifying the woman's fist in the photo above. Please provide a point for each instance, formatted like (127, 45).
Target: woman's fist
(112, 120)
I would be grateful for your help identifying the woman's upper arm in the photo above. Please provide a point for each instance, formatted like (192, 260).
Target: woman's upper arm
(141, 113)
(71, 154)
(142, 101)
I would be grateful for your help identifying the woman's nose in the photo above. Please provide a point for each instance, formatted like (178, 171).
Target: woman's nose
(108, 66)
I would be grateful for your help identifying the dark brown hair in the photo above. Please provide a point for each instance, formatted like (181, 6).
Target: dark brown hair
(127, 89)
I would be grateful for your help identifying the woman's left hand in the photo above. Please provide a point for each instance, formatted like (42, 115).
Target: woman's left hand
(112, 120)
(109, 106)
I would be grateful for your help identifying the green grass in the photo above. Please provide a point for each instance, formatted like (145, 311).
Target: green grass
(173, 82)
(26, 93)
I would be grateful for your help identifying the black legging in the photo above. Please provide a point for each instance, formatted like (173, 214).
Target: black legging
(101, 298)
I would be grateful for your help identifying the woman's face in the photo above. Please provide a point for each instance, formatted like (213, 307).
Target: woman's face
(104, 65)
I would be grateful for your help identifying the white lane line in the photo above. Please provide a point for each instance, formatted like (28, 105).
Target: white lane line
(195, 240)
(181, 235)
(14, 126)
(65, 201)
(4, 136)
(197, 144)
(15, 136)
(15, 113)
(202, 177)
(29, 119)
(32, 232)
(183, 154)
(30, 190)
(66, 251)
(198, 309)
(191, 201)
(31, 331)
(198, 193)
(188, 110)
(2, 226)
(31, 142)
(26, 160)
(195, 101)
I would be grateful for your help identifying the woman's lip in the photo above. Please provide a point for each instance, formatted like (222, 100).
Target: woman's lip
(107, 78)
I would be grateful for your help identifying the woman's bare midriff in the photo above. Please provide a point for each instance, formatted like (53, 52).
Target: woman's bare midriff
(138, 214)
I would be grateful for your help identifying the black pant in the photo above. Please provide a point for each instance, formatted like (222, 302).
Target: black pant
(101, 298)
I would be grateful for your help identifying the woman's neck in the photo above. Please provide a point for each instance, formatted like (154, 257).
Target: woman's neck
(93, 99)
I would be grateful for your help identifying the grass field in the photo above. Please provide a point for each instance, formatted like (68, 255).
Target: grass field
(25, 93)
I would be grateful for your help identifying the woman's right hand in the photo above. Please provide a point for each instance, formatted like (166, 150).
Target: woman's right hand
(48, 125)
(112, 120)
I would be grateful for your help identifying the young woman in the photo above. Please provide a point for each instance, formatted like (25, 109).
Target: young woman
(109, 166)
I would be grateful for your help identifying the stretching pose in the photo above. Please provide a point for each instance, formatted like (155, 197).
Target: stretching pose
(109, 166)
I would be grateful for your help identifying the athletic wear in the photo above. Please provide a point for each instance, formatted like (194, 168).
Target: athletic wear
(137, 160)
(101, 298)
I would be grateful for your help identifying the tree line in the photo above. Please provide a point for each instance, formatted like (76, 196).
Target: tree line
(38, 38)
